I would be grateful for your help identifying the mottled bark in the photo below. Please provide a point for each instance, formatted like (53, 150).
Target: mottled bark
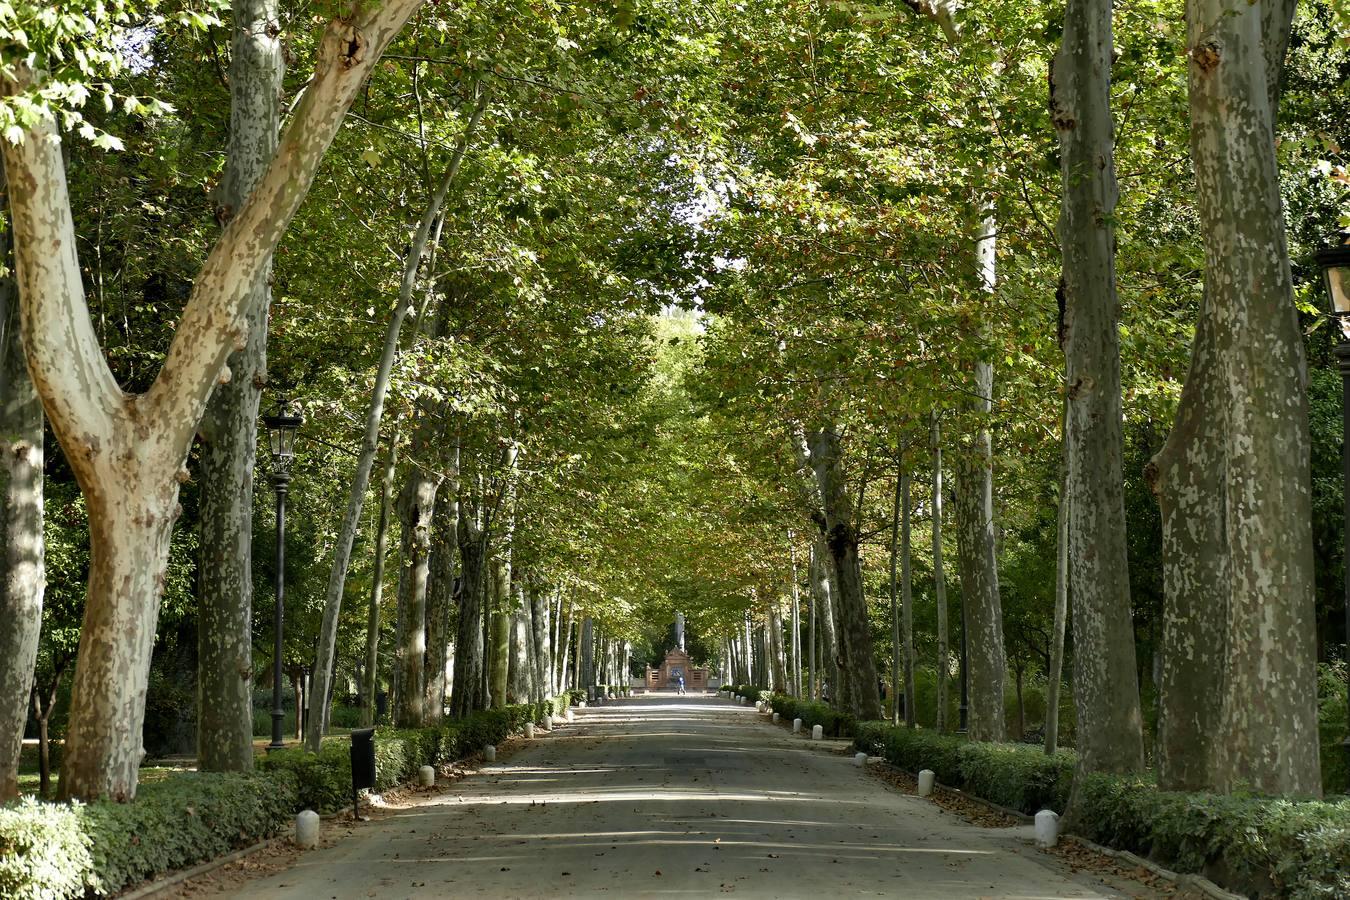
(417, 505)
(1109, 735)
(127, 451)
(976, 552)
(1055, 677)
(565, 635)
(1233, 479)
(228, 431)
(901, 488)
(907, 601)
(822, 598)
(440, 594)
(22, 574)
(542, 645)
(372, 684)
(795, 645)
(778, 658)
(944, 660)
(587, 654)
(842, 541)
(467, 695)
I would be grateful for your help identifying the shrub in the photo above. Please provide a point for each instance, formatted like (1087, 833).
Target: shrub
(1258, 845)
(811, 712)
(752, 692)
(71, 849)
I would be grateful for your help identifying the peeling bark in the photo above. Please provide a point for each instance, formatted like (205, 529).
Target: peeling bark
(22, 572)
(944, 662)
(467, 695)
(1109, 736)
(372, 685)
(417, 506)
(440, 595)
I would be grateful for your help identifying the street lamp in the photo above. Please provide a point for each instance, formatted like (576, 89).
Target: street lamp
(1335, 264)
(281, 429)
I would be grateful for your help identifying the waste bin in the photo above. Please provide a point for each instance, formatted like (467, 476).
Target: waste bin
(363, 764)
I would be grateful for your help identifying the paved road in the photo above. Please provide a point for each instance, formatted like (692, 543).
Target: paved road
(664, 796)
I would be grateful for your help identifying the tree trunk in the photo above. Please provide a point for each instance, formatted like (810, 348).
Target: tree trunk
(1238, 699)
(851, 603)
(22, 574)
(126, 451)
(543, 644)
(822, 586)
(229, 430)
(907, 603)
(775, 625)
(417, 506)
(796, 645)
(467, 695)
(1055, 677)
(1109, 736)
(326, 658)
(440, 595)
(944, 662)
(566, 638)
(377, 584)
(976, 553)
(901, 495)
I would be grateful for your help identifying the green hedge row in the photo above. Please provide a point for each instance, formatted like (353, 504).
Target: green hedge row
(324, 779)
(751, 692)
(813, 712)
(55, 850)
(71, 849)
(1261, 846)
(1018, 776)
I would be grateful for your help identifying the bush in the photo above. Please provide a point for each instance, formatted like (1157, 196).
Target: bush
(811, 712)
(72, 849)
(1257, 845)
(752, 692)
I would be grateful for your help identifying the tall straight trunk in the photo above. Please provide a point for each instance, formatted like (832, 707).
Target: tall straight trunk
(901, 487)
(811, 667)
(1244, 419)
(587, 647)
(1055, 677)
(432, 219)
(440, 594)
(417, 508)
(543, 642)
(906, 601)
(976, 553)
(520, 674)
(228, 431)
(944, 661)
(796, 644)
(566, 638)
(822, 584)
(500, 661)
(855, 638)
(466, 697)
(1109, 736)
(377, 584)
(127, 452)
(778, 657)
(22, 578)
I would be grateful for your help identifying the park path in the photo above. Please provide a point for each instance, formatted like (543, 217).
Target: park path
(664, 796)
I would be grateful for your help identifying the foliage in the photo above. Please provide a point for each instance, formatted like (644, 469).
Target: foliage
(69, 850)
(832, 721)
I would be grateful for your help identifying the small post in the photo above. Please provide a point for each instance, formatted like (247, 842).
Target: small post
(307, 829)
(426, 776)
(490, 753)
(1047, 828)
(860, 759)
(927, 778)
(817, 733)
(796, 726)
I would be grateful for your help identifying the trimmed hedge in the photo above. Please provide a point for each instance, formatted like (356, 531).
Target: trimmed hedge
(324, 779)
(751, 692)
(1261, 846)
(72, 849)
(54, 850)
(813, 712)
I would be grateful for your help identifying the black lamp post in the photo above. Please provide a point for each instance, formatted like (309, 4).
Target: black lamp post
(1335, 264)
(281, 429)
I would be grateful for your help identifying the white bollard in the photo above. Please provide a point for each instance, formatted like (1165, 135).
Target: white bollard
(926, 779)
(307, 829)
(548, 722)
(759, 706)
(860, 759)
(426, 776)
(529, 729)
(571, 716)
(775, 718)
(817, 732)
(490, 753)
(1047, 828)
(796, 726)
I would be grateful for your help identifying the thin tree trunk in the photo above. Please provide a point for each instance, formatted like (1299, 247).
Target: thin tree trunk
(796, 646)
(944, 667)
(811, 670)
(906, 602)
(1109, 735)
(440, 594)
(901, 488)
(417, 506)
(566, 633)
(976, 554)
(1055, 677)
(775, 626)
(543, 644)
(467, 695)
(327, 652)
(228, 431)
(377, 584)
(22, 574)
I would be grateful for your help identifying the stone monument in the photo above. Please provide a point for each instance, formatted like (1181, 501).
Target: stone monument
(677, 663)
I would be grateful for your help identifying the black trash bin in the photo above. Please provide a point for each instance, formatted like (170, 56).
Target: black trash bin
(363, 764)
